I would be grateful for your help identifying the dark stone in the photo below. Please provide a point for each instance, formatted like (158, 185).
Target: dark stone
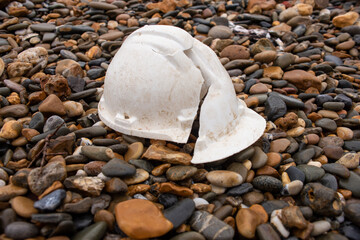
(345, 99)
(352, 212)
(143, 164)
(351, 183)
(272, 205)
(312, 173)
(76, 84)
(266, 232)
(322, 200)
(52, 218)
(90, 132)
(180, 212)
(167, 199)
(267, 183)
(51, 201)
(295, 174)
(304, 156)
(328, 180)
(336, 169)
(275, 107)
(118, 168)
(352, 145)
(210, 226)
(21, 230)
(95, 231)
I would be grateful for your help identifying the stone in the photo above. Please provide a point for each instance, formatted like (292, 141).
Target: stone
(284, 60)
(53, 123)
(322, 200)
(17, 111)
(266, 232)
(353, 145)
(221, 32)
(344, 133)
(140, 176)
(52, 218)
(95, 231)
(349, 160)
(83, 205)
(116, 185)
(73, 109)
(351, 183)
(23, 206)
(223, 178)
(336, 169)
(320, 227)
(312, 173)
(167, 199)
(304, 156)
(261, 45)
(253, 197)
(164, 154)
(210, 226)
(292, 188)
(345, 20)
(333, 152)
(164, 6)
(180, 212)
(52, 105)
(178, 173)
(55, 84)
(287, 14)
(240, 190)
(247, 221)
(168, 187)
(258, 88)
(275, 107)
(86, 185)
(98, 153)
(105, 216)
(51, 201)
(302, 79)
(140, 218)
(11, 130)
(265, 56)
(351, 211)
(291, 216)
(192, 235)
(267, 183)
(34, 55)
(273, 72)
(118, 168)
(21, 230)
(235, 52)
(40, 179)
(135, 150)
(279, 145)
(18, 69)
(259, 158)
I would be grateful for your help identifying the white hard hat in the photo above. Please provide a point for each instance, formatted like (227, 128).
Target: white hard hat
(153, 88)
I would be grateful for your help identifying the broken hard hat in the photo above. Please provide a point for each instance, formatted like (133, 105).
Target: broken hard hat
(154, 86)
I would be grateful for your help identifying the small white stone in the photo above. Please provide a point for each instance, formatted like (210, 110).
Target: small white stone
(292, 188)
(103, 177)
(275, 220)
(2, 183)
(320, 227)
(200, 201)
(314, 163)
(81, 172)
(218, 190)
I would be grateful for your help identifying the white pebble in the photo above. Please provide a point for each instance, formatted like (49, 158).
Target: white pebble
(200, 201)
(77, 151)
(81, 172)
(320, 227)
(2, 183)
(103, 177)
(218, 190)
(275, 220)
(314, 163)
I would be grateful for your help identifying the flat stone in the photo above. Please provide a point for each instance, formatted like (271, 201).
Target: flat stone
(51, 201)
(118, 168)
(140, 176)
(53, 105)
(240, 190)
(95, 231)
(221, 32)
(52, 218)
(21, 230)
(336, 169)
(188, 236)
(312, 173)
(351, 183)
(180, 212)
(140, 218)
(248, 219)
(266, 232)
(304, 156)
(86, 185)
(16, 111)
(178, 173)
(224, 178)
(210, 226)
(43, 27)
(23, 206)
(275, 107)
(259, 158)
(40, 179)
(352, 211)
(267, 183)
(164, 154)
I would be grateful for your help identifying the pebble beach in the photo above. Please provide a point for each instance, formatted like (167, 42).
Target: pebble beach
(65, 175)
